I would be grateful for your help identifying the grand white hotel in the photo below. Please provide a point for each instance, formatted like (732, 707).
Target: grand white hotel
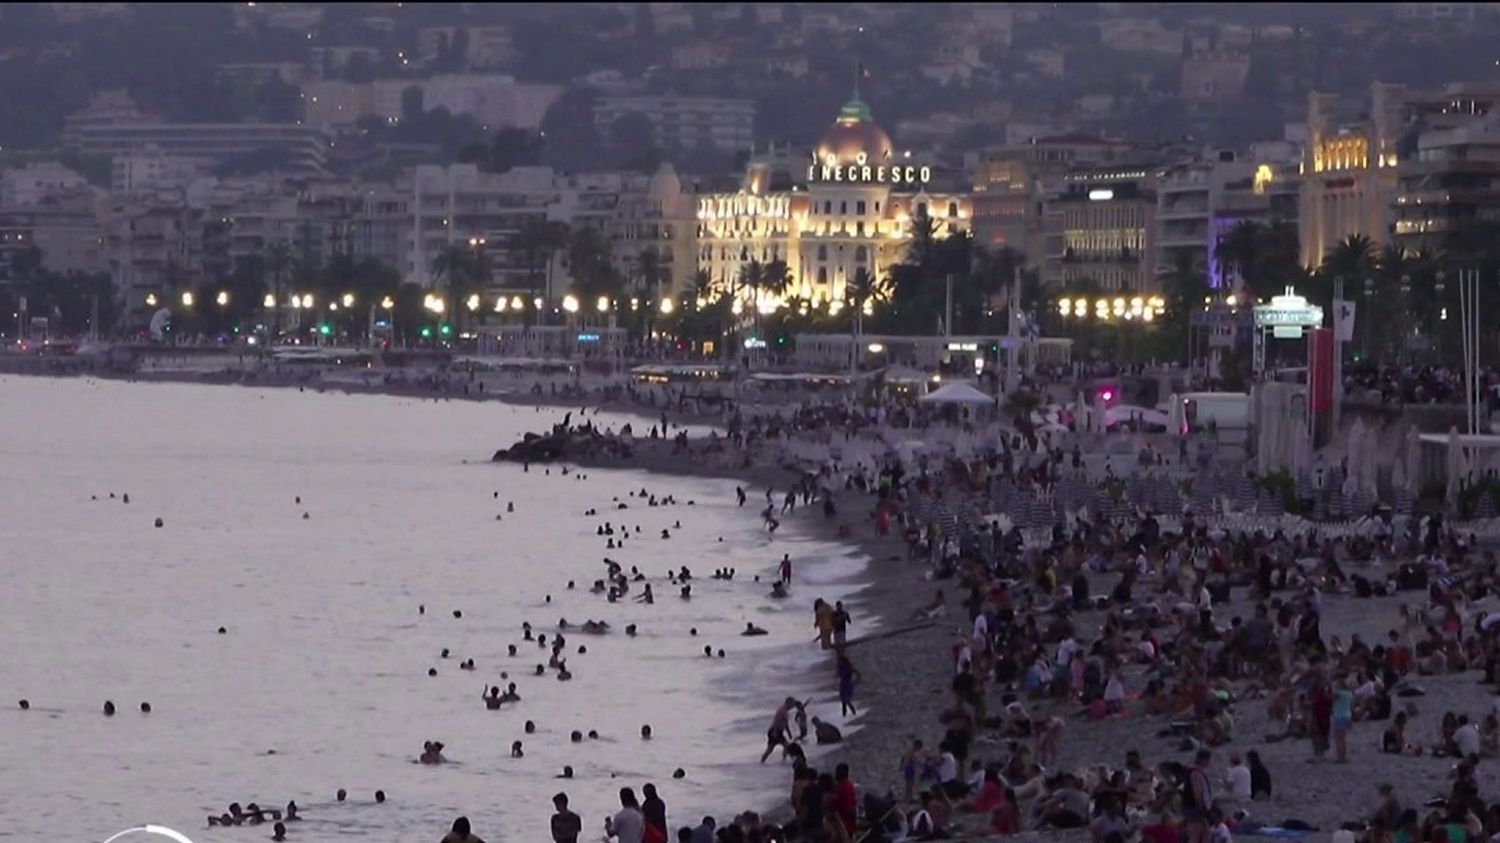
(848, 204)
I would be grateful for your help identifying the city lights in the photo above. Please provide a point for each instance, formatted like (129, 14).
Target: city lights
(1144, 308)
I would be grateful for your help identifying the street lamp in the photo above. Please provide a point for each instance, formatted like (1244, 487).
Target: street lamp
(473, 302)
(187, 299)
(222, 299)
(348, 300)
(570, 303)
(269, 301)
(387, 303)
(603, 304)
(151, 300)
(667, 307)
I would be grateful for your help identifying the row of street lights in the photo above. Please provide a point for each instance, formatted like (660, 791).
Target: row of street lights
(1143, 308)
(570, 303)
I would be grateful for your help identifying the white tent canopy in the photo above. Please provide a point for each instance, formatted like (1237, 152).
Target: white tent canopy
(957, 393)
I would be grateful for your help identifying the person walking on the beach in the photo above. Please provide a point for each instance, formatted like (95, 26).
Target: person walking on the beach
(1321, 710)
(840, 623)
(1341, 717)
(848, 675)
(786, 569)
(823, 621)
(1197, 800)
(739, 493)
(912, 762)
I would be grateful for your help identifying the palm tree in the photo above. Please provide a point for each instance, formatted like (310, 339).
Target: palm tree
(278, 260)
(776, 279)
(703, 286)
(1236, 253)
(1184, 288)
(462, 269)
(864, 289)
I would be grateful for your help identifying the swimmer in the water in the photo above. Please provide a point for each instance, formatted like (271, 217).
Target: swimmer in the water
(341, 795)
(492, 699)
(708, 651)
(687, 592)
(291, 812)
(630, 630)
(563, 674)
(380, 797)
(510, 694)
(646, 732)
(432, 753)
(511, 649)
(646, 596)
(567, 772)
(541, 669)
(515, 750)
(576, 736)
(752, 629)
(530, 727)
(278, 832)
(778, 590)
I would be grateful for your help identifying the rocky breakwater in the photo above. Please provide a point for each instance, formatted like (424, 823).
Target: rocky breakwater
(562, 444)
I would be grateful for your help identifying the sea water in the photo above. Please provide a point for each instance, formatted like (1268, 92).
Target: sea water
(320, 681)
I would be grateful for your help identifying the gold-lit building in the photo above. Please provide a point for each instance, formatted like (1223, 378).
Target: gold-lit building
(848, 204)
(1348, 172)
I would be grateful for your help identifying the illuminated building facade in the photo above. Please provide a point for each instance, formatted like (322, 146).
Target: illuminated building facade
(1348, 172)
(846, 207)
(1100, 226)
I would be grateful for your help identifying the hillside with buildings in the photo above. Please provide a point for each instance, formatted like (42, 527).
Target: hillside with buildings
(501, 155)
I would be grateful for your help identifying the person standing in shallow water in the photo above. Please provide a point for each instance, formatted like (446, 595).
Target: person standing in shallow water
(654, 810)
(823, 621)
(566, 825)
(627, 826)
(780, 728)
(786, 569)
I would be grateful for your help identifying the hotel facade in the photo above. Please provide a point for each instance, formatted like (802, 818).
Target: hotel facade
(846, 205)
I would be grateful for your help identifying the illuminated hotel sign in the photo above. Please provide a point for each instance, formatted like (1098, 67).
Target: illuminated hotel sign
(861, 172)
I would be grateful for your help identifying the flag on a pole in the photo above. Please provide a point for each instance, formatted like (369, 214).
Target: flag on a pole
(1343, 320)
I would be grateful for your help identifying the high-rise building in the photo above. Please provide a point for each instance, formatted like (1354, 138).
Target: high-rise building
(681, 122)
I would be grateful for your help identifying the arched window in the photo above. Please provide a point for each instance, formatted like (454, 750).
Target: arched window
(823, 275)
(952, 209)
(822, 252)
(861, 254)
(921, 209)
(744, 253)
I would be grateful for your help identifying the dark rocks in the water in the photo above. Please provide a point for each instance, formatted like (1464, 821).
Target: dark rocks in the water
(549, 447)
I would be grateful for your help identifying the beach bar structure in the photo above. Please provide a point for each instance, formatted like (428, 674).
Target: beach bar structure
(926, 352)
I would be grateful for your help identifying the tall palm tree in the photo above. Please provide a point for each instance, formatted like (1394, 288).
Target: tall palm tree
(278, 261)
(864, 289)
(456, 267)
(776, 279)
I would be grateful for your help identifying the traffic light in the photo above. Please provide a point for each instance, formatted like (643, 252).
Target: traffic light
(426, 332)
(325, 329)
(446, 329)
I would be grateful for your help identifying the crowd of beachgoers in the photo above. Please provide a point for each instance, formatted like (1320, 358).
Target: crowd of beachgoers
(1126, 673)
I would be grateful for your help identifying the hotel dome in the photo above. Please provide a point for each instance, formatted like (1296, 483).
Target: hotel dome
(854, 138)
